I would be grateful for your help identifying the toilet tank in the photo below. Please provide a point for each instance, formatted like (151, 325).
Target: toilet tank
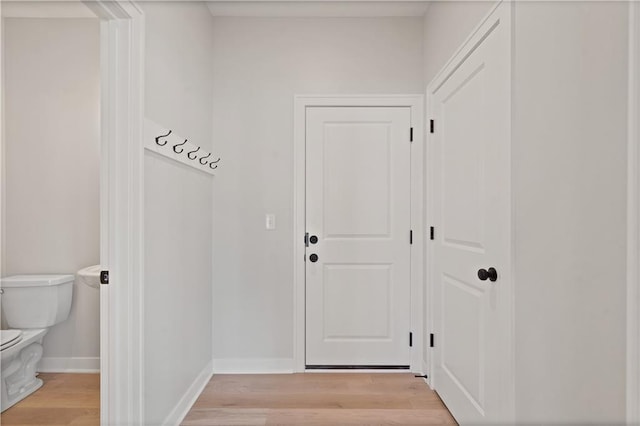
(36, 301)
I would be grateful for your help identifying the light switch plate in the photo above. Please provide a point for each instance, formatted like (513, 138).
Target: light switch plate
(270, 221)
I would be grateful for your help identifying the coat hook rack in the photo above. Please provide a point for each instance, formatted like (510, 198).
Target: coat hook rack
(165, 142)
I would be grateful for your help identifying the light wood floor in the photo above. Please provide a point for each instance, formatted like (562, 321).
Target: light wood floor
(293, 399)
(318, 399)
(64, 399)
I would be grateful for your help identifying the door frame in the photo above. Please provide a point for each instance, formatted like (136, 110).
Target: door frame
(633, 220)
(416, 104)
(121, 209)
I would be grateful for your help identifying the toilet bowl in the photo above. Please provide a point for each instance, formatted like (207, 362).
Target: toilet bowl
(19, 362)
(31, 305)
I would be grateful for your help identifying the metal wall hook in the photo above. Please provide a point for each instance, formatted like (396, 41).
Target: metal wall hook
(214, 162)
(214, 167)
(162, 136)
(193, 152)
(204, 163)
(177, 145)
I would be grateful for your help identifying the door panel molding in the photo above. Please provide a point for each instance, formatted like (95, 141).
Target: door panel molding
(416, 105)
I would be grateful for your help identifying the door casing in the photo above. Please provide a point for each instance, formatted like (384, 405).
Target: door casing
(121, 210)
(416, 104)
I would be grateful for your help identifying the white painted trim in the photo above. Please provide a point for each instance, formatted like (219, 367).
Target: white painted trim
(633, 220)
(419, 233)
(416, 103)
(299, 228)
(183, 406)
(253, 366)
(121, 199)
(428, 366)
(69, 365)
(470, 43)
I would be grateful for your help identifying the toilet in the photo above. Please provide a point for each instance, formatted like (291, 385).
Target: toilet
(31, 304)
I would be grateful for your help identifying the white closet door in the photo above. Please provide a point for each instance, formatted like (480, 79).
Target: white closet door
(358, 219)
(471, 181)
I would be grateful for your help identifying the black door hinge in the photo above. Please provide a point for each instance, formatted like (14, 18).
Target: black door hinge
(410, 339)
(306, 239)
(431, 341)
(432, 126)
(432, 233)
(411, 134)
(411, 236)
(104, 277)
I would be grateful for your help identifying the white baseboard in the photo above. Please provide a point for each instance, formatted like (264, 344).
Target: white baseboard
(69, 365)
(253, 365)
(181, 409)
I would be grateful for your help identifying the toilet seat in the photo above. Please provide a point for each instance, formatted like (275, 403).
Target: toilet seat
(9, 338)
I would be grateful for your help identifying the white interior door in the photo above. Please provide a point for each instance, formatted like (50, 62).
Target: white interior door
(358, 221)
(471, 150)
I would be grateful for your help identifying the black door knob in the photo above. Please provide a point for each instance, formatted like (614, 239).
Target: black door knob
(313, 239)
(490, 273)
(313, 258)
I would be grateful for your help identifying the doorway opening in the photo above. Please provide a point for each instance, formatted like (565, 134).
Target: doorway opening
(51, 205)
(76, 106)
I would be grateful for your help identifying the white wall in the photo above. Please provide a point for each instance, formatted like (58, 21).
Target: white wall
(570, 103)
(178, 209)
(52, 142)
(259, 64)
(569, 183)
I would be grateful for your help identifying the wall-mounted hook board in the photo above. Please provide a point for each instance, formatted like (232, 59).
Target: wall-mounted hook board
(167, 143)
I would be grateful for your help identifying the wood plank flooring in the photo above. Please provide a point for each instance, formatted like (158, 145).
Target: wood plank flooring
(318, 399)
(285, 399)
(64, 399)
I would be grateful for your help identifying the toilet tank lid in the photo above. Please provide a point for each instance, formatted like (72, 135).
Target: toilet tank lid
(35, 280)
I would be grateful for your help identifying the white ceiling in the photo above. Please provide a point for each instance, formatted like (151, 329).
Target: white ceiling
(46, 9)
(317, 8)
